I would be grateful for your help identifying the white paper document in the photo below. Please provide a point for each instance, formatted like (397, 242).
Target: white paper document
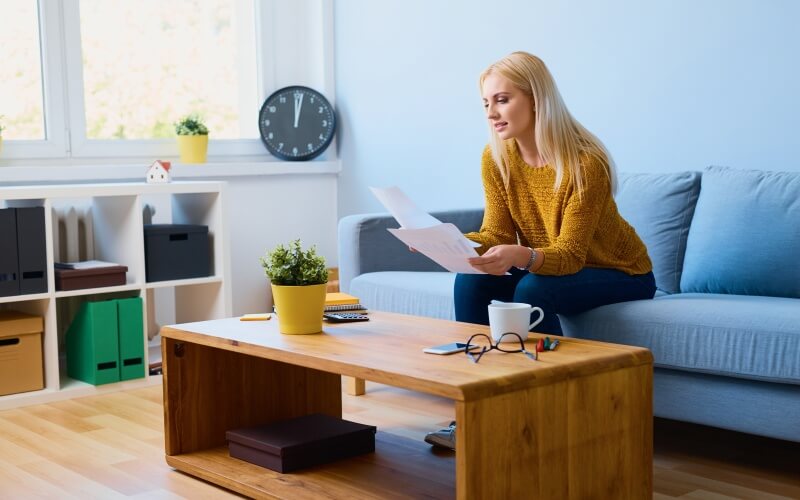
(86, 264)
(409, 215)
(440, 242)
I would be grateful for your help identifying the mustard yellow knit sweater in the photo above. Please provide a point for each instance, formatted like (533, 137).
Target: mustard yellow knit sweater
(572, 232)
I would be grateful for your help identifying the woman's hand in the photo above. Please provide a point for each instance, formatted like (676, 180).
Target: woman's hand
(499, 259)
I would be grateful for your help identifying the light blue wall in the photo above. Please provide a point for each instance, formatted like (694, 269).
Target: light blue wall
(667, 85)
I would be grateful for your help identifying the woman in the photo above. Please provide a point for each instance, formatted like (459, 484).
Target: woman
(551, 235)
(550, 218)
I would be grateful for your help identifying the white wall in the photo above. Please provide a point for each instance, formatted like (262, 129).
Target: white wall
(667, 85)
(266, 211)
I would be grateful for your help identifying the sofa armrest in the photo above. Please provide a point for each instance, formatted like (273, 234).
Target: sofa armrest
(365, 245)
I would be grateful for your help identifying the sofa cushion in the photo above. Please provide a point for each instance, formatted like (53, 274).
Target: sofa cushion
(745, 234)
(740, 336)
(407, 292)
(660, 208)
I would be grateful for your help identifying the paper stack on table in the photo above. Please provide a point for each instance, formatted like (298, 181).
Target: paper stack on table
(441, 242)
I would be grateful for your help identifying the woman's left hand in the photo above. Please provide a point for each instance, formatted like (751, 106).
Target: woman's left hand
(498, 259)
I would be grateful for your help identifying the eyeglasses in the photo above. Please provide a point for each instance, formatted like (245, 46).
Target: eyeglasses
(511, 346)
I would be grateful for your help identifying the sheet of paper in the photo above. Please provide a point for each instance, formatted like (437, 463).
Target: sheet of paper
(443, 244)
(86, 264)
(409, 215)
(406, 212)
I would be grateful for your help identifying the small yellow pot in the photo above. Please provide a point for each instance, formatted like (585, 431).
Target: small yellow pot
(299, 308)
(193, 148)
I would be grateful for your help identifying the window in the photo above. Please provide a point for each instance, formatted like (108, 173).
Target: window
(21, 103)
(99, 78)
(179, 57)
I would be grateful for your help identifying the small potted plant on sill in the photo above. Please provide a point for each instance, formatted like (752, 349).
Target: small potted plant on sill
(192, 139)
(299, 279)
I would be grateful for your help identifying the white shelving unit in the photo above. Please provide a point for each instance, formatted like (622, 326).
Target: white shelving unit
(118, 236)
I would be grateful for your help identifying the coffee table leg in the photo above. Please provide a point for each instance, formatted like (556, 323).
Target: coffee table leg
(355, 386)
(569, 439)
(496, 453)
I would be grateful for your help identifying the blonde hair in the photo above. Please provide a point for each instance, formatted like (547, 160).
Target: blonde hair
(562, 142)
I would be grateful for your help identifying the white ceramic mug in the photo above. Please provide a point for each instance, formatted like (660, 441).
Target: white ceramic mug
(505, 317)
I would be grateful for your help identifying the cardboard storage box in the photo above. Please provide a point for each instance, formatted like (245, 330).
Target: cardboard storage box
(96, 277)
(292, 444)
(176, 251)
(20, 352)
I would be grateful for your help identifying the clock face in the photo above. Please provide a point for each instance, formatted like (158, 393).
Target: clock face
(296, 123)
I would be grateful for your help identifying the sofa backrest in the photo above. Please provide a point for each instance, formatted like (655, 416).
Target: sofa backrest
(660, 208)
(745, 234)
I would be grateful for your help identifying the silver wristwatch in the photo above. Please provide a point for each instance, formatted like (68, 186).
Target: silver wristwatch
(530, 261)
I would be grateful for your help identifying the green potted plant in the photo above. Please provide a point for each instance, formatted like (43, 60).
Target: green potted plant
(192, 138)
(298, 279)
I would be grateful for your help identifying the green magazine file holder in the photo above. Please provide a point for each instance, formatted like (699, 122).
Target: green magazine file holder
(93, 343)
(131, 338)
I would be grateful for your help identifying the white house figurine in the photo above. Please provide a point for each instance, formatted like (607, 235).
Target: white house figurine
(158, 172)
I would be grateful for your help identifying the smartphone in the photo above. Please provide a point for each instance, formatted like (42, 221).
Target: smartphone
(449, 348)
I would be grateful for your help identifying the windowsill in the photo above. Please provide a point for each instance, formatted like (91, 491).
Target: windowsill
(111, 171)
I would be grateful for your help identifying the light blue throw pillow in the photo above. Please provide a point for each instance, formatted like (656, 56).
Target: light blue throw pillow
(660, 208)
(745, 235)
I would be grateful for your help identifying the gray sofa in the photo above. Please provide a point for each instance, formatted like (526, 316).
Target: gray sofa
(724, 327)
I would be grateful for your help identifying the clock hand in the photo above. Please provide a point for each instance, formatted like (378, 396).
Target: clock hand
(298, 104)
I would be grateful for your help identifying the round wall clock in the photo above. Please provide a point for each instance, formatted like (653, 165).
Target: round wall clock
(296, 123)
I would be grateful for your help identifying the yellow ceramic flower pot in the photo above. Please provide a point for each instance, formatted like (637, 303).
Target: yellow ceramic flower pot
(193, 148)
(299, 308)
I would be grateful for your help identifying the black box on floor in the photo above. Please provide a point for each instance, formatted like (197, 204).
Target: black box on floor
(300, 442)
(176, 251)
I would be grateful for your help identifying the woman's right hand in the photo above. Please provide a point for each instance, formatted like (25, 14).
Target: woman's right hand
(499, 259)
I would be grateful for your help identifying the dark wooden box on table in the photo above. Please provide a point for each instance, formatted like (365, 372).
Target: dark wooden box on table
(293, 444)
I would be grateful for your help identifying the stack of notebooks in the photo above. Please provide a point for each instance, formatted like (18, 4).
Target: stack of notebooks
(339, 301)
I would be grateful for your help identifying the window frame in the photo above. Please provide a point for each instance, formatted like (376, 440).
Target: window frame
(55, 143)
(63, 95)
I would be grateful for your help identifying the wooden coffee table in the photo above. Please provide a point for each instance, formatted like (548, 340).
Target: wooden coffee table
(575, 424)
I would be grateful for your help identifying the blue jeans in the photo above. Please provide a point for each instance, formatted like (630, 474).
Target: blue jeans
(570, 294)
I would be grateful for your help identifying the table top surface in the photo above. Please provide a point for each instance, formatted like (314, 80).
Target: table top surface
(388, 349)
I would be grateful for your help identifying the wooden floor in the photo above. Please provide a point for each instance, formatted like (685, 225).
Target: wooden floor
(111, 446)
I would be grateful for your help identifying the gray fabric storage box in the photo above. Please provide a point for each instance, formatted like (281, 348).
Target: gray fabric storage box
(176, 251)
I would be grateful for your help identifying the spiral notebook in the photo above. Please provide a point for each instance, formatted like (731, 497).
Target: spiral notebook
(345, 307)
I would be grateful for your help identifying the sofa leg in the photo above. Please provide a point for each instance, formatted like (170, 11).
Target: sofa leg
(355, 386)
